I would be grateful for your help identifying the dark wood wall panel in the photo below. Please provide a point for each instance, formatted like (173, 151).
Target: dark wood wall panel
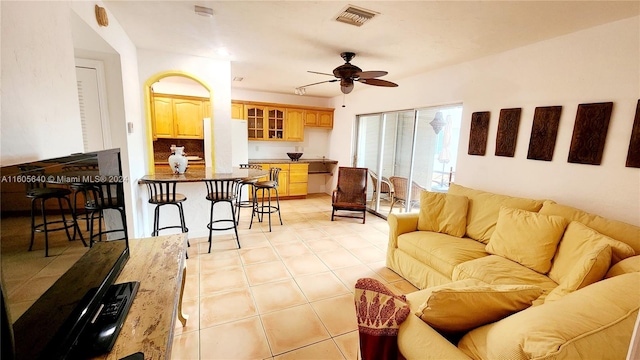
(479, 133)
(590, 133)
(508, 132)
(544, 132)
(633, 156)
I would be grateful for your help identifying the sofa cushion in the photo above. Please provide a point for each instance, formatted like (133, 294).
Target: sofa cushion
(577, 241)
(441, 252)
(484, 208)
(614, 229)
(526, 237)
(590, 268)
(494, 269)
(443, 213)
(454, 309)
(595, 322)
(631, 264)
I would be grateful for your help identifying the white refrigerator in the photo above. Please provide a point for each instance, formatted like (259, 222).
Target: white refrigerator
(239, 142)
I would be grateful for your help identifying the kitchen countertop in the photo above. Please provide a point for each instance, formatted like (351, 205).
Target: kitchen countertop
(289, 161)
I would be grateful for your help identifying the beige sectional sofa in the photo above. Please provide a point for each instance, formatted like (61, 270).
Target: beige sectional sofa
(514, 278)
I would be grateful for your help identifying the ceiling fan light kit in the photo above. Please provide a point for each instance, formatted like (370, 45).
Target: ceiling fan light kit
(348, 73)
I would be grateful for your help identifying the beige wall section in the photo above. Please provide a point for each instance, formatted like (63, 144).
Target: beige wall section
(593, 65)
(40, 111)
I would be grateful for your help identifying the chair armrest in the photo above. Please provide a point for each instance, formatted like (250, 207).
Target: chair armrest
(400, 224)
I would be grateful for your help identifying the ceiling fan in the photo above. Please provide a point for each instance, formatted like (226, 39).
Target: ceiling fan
(348, 73)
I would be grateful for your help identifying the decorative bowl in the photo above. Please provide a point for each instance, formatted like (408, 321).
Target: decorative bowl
(294, 156)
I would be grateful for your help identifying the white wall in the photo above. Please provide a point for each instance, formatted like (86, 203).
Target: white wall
(40, 112)
(594, 65)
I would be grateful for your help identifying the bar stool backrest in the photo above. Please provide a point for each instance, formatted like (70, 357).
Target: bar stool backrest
(161, 192)
(105, 195)
(274, 173)
(221, 190)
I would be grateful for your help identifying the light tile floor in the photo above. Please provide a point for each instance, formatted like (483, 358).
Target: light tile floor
(288, 293)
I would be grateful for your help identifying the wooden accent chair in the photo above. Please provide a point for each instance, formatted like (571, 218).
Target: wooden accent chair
(351, 193)
(385, 187)
(400, 195)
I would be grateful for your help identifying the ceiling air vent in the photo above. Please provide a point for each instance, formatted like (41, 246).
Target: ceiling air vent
(355, 16)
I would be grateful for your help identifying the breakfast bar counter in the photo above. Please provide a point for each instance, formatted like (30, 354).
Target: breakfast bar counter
(202, 174)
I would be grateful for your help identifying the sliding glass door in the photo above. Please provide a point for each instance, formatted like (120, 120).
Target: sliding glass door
(407, 152)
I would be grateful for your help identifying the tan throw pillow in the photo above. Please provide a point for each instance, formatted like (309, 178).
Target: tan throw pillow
(628, 265)
(588, 270)
(484, 207)
(443, 213)
(577, 241)
(527, 238)
(454, 309)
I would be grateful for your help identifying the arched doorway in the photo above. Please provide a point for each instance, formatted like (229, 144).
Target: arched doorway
(178, 112)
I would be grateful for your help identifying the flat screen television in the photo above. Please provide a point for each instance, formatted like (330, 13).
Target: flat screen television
(49, 325)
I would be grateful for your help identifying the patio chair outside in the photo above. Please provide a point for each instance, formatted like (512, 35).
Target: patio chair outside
(385, 187)
(400, 192)
(350, 194)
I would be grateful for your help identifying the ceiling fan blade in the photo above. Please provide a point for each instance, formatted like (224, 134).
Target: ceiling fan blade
(320, 82)
(378, 82)
(370, 74)
(315, 72)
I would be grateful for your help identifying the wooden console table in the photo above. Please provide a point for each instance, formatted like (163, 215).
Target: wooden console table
(158, 263)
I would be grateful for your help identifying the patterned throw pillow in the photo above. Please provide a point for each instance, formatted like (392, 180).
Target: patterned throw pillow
(380, 313)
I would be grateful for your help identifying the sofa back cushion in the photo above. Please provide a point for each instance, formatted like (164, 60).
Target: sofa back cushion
(614, 229)
(595, 322)
(630, 264)
(526, 237)
(590, 268)
(484, 208)
(443, 213)
(577, 241)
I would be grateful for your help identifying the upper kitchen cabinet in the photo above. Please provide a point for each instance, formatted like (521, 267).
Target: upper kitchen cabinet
(294, 125)
(264, 122)
(237, 111)
(319, 119)
(179, 117)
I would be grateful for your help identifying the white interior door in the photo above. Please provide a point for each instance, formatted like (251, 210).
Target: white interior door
(93, 109)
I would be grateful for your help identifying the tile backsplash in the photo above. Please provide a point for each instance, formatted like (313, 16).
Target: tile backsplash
(162, 148)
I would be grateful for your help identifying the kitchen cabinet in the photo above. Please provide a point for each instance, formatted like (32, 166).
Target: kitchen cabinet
(237, 111)
(283, 179)
(298, 179)
(265, 123)
(294, 125)
(319, 119)
(179, 117)
(280, 122)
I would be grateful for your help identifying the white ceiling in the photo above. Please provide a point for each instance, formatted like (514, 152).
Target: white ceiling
(272, 44)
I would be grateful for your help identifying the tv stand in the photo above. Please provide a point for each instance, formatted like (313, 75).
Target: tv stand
(100, 334)
(158, 264)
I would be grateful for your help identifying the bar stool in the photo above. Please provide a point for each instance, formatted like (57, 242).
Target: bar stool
(103, 196)
(222, 191)
(242, 183)
(164, 193)
(38, 192)
(268, 185)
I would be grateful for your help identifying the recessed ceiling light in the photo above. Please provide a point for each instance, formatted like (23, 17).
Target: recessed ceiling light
(204, 11)
(223, 52)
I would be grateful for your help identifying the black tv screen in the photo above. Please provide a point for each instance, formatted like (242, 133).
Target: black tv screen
(47, 301)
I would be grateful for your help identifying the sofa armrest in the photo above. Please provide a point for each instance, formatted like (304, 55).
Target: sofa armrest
(400, 224)
(419, 341)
